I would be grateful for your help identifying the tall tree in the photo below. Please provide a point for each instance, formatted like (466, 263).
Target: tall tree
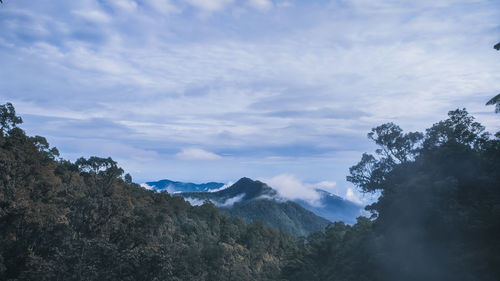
(8, 118)
(496, 99)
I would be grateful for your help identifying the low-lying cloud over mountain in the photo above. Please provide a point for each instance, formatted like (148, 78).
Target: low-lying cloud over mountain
(256, 201)
(280, 189)
(290, 187)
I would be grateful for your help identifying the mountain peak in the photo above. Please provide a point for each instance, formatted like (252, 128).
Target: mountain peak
(251, 188)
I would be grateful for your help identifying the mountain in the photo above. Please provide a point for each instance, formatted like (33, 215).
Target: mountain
(255, 201)
(245, 187)
(176, 186)
(330, 206)
(333, 207)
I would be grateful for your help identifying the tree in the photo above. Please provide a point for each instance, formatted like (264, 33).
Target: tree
(128, 178)
(102, 171)
(460, 128)
(43, 146)
(496, 99)
(8, 118)
(438, 210)
(395, 148)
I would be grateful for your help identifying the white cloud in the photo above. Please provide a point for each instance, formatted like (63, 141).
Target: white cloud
(177, 81)
(197, 154)
(284, 4)
(125, 5)
(291, 188)
(262, 5)
(164, 7)
(231, 201)
(353, 196)
(326, 185)
(194, 201)
(222, 187)
(210, 5)
(146, 186)
(95, 16)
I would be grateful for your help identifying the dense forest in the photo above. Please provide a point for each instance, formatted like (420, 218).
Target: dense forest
(437, 218)
(86, 221)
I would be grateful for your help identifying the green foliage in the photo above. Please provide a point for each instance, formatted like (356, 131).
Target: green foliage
(395, 148)
(458, 129)
(495, 100)
(287, 216)
(128, 178)
(81, 221)
(8, 118)
(437, 217)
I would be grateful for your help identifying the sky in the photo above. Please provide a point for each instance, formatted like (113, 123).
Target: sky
(215, 90)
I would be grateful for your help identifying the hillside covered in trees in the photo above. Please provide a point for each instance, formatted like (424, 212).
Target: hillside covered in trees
(254, 201)
(438, 217)
(86, 221)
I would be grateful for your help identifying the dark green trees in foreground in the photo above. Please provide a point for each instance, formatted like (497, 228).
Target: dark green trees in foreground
(437, 218)
(83, 221)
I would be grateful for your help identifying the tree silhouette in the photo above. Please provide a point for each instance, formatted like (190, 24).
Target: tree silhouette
(8, 118)
(496, 99)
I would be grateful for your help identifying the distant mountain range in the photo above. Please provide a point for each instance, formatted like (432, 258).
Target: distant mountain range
(333, 207)
(177, 186)
(254, 200)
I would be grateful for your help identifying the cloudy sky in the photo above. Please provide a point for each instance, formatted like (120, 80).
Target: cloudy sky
(214, 90)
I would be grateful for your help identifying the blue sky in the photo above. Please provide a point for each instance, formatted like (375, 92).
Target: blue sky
(214, 90)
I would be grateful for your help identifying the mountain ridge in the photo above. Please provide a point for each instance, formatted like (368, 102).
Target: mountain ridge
(330, 206)
(176, 186)
(253, 201)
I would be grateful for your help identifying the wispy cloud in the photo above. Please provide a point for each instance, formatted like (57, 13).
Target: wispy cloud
(222, 187)
(280, 86)
(290, 187)
(193, 154)
(352, 196)
(194, 201)
(210, 5)
(230, 201)
(263, 5)
(94, 16)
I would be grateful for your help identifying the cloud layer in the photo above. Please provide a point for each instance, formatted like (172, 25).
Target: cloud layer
(263, 87)
(290, 187)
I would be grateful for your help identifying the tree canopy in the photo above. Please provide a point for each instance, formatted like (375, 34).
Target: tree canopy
(437, 217)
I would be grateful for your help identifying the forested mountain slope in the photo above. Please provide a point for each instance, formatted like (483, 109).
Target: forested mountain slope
(333, 207)
(329, 206)
(84, 221)
(255, 201)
